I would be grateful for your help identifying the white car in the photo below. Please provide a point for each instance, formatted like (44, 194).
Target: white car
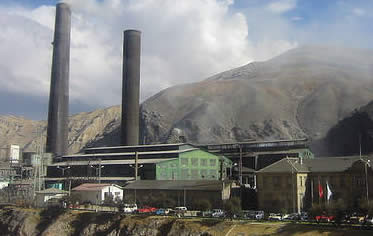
(273, 216)
(217, 213)
(129, 208)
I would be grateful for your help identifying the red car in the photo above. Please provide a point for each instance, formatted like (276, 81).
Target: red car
(147, 209)
(324, 218)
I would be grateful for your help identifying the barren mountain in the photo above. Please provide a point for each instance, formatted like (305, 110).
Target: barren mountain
(84, 128)
(301, 93)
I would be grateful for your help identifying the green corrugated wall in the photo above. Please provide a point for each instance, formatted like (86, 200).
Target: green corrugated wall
(192, 165)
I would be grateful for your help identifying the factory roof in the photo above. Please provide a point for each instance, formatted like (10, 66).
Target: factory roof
(110, 162)
(137, 146)
(325, 164)
(285, 165)
(129, 153)
(259, 142)
(93, 187)
(205, 185)
(52, 191)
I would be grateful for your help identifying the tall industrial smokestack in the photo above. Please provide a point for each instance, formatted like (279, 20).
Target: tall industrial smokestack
(57, 134)
(131, 88)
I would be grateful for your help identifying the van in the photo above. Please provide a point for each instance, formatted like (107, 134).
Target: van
(180, 209)
(129, 208)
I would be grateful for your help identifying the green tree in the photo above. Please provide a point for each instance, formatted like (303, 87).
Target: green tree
(202, 204)
(232, 206)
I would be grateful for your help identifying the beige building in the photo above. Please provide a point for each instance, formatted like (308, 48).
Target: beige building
(292, 184)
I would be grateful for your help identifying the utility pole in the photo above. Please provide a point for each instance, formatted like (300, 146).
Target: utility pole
(136, 165)
(366, 164)
(240, 165)
(99, 172)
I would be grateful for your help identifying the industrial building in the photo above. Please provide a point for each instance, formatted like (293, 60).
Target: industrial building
(154, 162)
(181, 193)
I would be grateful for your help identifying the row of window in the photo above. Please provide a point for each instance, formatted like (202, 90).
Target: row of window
(194, 162)
(280, 181)
(189, 174)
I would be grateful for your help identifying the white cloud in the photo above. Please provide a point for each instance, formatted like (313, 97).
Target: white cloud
(281, 6)
(358, 11)
(182, 42)
(297, 18)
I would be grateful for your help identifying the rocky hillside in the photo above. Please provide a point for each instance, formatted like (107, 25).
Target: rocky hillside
(351, 133)
(301, 93)
(84, 128)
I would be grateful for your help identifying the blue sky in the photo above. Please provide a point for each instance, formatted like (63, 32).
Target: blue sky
(183, 41)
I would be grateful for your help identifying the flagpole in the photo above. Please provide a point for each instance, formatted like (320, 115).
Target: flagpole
(311, 192)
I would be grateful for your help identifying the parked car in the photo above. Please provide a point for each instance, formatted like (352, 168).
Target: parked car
(162, 211)
(324, 218)
(274, 216)
(303, 216)
(254, 215)
(292, 217)
(129, 208)
(206, 213)
(146, 209)
(368, 220)
(181, 209)
(355, 218)
(217, 213)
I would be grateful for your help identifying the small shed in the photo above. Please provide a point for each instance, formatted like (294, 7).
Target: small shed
(49, 196)
(98, 193)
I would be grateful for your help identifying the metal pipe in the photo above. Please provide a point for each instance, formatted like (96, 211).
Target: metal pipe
(131, 88)
(57, 132)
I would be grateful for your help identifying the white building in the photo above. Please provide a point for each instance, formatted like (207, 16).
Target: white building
(98, 193)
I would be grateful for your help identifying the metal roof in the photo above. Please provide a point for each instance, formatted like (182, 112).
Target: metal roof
(130, 153)
(110, 162)
(52, 191)
(285, 165)
(205, 185)
(258, 142)
(102, 178)
(137, 146)
(93, 187)
(325, 164)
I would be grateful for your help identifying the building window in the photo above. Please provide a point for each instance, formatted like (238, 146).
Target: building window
(265, 181)
(195, 174)
(301, 181)
(194, 162)
(173, 165)
(184, 173)
(212, 162)
(212, 174)
(184, 161)
(204, 173)
(203, 162)
(342, 181)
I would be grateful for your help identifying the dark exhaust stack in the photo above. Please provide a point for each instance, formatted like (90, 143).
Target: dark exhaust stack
(131, 88)
(57, 133)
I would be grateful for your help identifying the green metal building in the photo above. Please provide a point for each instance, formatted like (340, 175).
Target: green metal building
(194, 165)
